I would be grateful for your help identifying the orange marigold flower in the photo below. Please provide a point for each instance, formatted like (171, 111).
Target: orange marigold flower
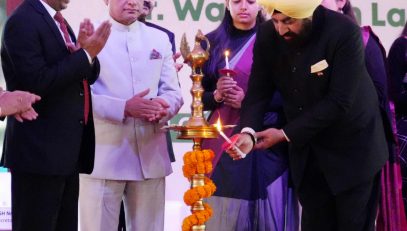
(201, 219)
(201, 191)
(200, 168)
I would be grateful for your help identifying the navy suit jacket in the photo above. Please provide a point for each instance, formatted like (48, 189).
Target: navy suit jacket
(36, 59)
(171, 35)
(333, 115)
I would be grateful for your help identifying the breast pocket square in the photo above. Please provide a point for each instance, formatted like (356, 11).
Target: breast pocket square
(318, 67)
(155, 54)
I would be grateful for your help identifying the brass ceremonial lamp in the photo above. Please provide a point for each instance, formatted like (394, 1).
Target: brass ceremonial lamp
(196, 128)
(199, 162)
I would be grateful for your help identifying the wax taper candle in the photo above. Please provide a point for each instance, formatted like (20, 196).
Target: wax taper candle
(219, 128)
(227, 59)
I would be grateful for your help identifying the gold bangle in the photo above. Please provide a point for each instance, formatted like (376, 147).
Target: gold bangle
(214, 97)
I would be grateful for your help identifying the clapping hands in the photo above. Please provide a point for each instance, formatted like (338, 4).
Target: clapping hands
(90, 40)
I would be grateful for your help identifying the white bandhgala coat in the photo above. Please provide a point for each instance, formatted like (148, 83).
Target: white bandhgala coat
(130, 152)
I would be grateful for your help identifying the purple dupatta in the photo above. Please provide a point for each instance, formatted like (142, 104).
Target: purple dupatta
(241, 63)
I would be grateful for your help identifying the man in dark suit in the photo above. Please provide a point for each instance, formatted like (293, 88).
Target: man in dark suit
(315, 58)
(39, 55)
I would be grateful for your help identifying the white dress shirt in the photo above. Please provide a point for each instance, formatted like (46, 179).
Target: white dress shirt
(52, 13)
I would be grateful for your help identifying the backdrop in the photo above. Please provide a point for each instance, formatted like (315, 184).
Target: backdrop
(387, 18)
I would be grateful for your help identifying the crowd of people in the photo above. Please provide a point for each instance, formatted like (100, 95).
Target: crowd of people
(321, 113)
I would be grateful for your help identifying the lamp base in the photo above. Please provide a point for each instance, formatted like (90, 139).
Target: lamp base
(192, 132)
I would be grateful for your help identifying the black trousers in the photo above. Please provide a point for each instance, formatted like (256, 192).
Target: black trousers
(44, 203)
(351, 210)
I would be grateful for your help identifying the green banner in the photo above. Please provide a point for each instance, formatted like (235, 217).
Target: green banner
(197, 10)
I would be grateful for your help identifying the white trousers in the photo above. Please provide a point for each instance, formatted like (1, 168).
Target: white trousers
(99, 204)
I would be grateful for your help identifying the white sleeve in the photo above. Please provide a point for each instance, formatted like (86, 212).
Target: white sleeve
(108, 108)
(169, 88)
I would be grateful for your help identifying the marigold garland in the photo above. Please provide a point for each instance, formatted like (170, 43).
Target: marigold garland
(198, 162)
(197, 218)
(194, 194)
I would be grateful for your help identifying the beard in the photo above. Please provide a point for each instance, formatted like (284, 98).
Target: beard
(298, 39)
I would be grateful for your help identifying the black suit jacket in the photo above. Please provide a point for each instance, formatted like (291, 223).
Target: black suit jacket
(335, 116)
(35, 59)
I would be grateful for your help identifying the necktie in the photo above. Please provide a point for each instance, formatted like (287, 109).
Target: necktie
(71, 47)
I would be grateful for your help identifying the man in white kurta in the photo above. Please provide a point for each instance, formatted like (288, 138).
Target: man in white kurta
(136, 93)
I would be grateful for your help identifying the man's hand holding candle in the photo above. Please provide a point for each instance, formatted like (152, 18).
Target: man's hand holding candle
(244, 142)
(241, 141)
(230, 144)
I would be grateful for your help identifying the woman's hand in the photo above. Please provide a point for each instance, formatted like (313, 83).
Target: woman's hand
(234, 97)
(223, 85)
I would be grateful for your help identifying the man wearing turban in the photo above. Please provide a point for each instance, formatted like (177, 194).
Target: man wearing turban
(315, 58)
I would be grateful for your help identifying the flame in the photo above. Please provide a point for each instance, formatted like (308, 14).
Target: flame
(218, 125)
(227, 53)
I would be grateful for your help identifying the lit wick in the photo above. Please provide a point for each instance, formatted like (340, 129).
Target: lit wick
(227, 59)
(219, 128)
